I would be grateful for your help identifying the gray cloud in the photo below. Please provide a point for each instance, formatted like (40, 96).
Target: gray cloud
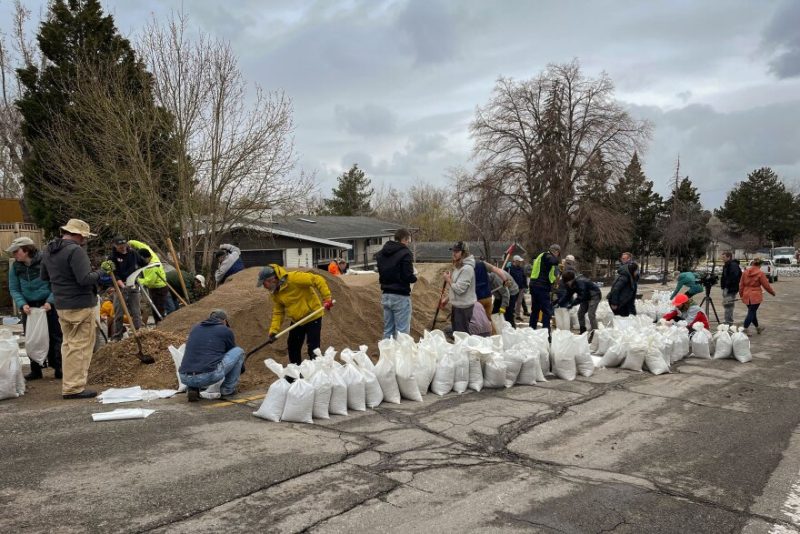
(366, 121)
(429, 24)
(782, 38)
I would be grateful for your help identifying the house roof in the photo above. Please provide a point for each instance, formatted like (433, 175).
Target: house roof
(440, 250)
(335, 227)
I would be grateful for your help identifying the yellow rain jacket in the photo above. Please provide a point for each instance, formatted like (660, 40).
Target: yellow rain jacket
(152, 277)
(295, 296)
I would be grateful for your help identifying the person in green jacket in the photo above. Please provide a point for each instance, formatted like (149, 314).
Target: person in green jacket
(689, 280)
(153, 278)
(29, 291)
(195, 286)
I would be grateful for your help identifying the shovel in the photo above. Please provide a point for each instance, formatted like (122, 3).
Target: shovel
(438, 302)
(302, 321)
(142, 356)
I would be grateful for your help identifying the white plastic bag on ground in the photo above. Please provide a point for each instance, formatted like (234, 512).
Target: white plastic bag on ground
(494, 371)
(563, 352)
(475, 371)
(384, 371)
(531, 370)
(405, 373)
(272, 406)
(460, 369)
(444, 376)
(682, 345)
(605, 338)
(299, 407)
(583, 359)
(356, 387)
(701, 342)
(654, 360)
(614, 356)
(563, 321)
(12, 383)
(723, 346)
(177, 358)
(634, 359)
(37, 340)
(513, 360)
(741, 346)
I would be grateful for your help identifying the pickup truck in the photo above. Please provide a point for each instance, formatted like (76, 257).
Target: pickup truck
(769, 269)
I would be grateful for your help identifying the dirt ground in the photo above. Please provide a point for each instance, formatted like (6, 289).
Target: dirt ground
(356, 319)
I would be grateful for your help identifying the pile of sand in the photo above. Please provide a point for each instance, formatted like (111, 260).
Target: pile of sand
(356, 319)
(117, 364)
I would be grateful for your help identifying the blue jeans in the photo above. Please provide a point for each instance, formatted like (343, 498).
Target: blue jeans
(228, 369)
(170, 305)
(396, 314)
(751, 318)
(540, 302)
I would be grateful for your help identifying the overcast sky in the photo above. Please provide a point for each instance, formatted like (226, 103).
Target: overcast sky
(393, 85)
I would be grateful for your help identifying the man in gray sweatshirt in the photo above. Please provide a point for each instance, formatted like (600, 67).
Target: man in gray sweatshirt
(66, 265)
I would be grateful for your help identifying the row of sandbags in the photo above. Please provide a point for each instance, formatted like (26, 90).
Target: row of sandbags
(636, 343)
(12, 383)
(405, 370)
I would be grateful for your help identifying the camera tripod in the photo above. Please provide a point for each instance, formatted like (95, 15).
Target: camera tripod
(709, 302)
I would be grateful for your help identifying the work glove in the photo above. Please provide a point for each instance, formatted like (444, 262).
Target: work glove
(502, 311)
(327, 304)
(107, 266)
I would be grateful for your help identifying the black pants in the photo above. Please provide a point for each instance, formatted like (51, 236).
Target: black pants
(508, 315)
(460, 318)
(159, 296)
(308, 333)
(56, 338)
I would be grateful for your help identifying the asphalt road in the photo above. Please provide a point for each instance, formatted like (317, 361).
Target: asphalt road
(712, 447)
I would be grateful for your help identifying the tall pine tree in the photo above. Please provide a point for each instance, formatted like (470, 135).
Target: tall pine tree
(684, 226)
(352, 196)
(81, 45)
(633, 195)
(762, 206)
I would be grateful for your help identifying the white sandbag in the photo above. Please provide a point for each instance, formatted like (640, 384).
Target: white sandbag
(605, 338)
(475, 371)
(583, 359)
(12, 383)
(563, 352)
(614, 356)
(299, 407)
(513, 360)
(424, 367)
(37, 340)
(741, 346)
(338, 404)
(372, 389)
(634, 359)
(573, 318)
(323, 387)
(700, 342)
(562, 319)
(531, 370)
(177, 358)
(404, 371)
(444, 376)
(460, 369)
(682, 345)
(723, 346)
(494, 371)
(272, 406)
(654, 361)
(384, 371)
(538, 338)
(604, 314)
(356, 387)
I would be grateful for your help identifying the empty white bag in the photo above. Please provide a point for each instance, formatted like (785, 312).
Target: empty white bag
(177, 358)
(37, 340)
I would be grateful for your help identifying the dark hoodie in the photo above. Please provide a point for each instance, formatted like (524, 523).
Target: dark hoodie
(66, 265)
(731, 274)
(206, 346)
(395, 270)
(623, 293)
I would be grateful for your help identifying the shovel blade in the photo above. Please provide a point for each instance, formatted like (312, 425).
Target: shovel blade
(144, 358)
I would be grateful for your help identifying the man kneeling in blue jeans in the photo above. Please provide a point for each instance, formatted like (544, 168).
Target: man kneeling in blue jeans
(211, 355)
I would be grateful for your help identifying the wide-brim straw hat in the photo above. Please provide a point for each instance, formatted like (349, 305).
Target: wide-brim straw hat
(77, 226)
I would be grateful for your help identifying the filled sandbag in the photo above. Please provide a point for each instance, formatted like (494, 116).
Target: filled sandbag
(563, 352)
(299, 406)
(563, 322)
(614, 356)
(513, 360)
(272, 406)
(701, 342)
(494, 371)
(461, 369)
(583, 359)
(741, 346)
(654, 360)
(405, 373)
(723, 345)
(384, 371)
(444, 375)
(475, 371)
(636, 353)
(12, 383)
(372, 388)
(356, 387)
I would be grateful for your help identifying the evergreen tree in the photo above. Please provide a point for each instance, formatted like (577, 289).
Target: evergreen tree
(81, 45)
(352, 196)
(762, 206)
(633, 195)
(686, 234)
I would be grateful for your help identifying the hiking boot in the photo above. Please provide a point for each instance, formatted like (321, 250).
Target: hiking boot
(33, 375)
(193, 394)
(85, 394)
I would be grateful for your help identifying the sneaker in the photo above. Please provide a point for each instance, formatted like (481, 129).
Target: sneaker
(193, 394)
(85, 394)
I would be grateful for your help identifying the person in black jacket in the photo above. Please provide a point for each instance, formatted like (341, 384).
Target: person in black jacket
(731, 274)
(396, 274)
(126, 262)
(586, 294)
(622, 297)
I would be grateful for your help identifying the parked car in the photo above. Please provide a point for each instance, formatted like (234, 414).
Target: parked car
(769, 269)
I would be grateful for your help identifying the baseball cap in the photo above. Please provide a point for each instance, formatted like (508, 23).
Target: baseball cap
(218, 314)
(119, 240)
(517, 257)
(461, 246)
(266, 272)
(18, 243)
(200, 278)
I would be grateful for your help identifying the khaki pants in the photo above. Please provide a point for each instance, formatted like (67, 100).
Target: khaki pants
(487, 305)
(76, 349)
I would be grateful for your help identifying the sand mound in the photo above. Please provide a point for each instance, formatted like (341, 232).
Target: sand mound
(356, 319)
(117, 364)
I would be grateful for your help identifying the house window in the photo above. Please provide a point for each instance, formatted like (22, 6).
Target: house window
(328, 253)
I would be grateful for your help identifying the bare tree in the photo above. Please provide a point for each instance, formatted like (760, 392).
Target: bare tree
(238, 154)
(535, 139)
(428, 210)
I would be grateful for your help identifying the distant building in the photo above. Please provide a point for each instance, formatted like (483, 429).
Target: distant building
(311, 240)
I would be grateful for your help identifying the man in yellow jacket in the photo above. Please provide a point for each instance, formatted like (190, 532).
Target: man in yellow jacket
(153, 278)
(296, 294)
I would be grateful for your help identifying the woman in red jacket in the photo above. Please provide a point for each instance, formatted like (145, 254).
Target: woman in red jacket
(753, 279)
